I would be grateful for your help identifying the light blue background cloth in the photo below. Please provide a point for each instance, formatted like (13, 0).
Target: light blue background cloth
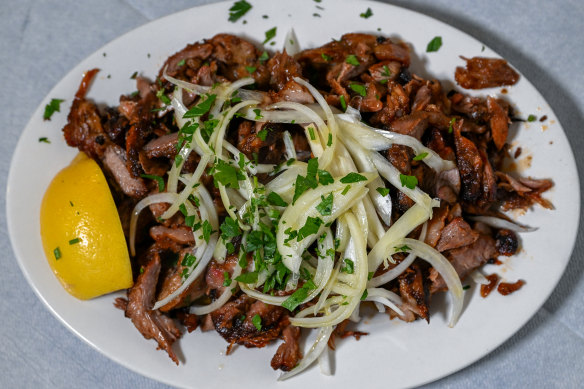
(40, 41)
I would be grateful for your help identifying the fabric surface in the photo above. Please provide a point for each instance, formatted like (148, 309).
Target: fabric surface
(40, 41)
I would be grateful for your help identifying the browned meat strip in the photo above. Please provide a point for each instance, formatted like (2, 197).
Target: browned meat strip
(498, 121)
(233, 321)
(483, 72)
(193, 56)
(399, 156)
(436, 225)
(411, 288)
(470, 165)
(283, 69)
(523, 192)
(506, 288)
(465, 260)
(507, 242)
(164, 146)
(473, 107)
(151, 324)
(114, 161)
(487, 288)
(83, 129)
(456, 234)
(288, 353)
(173, 279)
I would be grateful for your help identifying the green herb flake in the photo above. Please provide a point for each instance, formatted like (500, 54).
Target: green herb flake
(420, 156)
(200, 109)
(238, 9)
(353, 177)
(346, 190)
(53, 106)
(343, 103)
(229, 228)
(298, 296)
(408, 181)
(262, 134)
(57, 253)
(258, 112)
(226, 279)
(382, 191)
(324, 177)
(326, 205)
(248, 278)
(188, 260)
(531, 118)
(134, 75)
(311, 226)
(434, 44)
(250, 69)
(364, 295)
(329, 142)
(370, 275)
(159, 180)
(275, 199)
(450, 126)
(226, 174)
(207, 231)
(352, 60)
(466, 287)
(270, 34)
(386, 72)
(311, 133)
(360, 89)
(181, 63)
(403, 249)
(264, 57)
(257, 322)
(348, 267)
(74, 241)
(367, 14)
(44, 140)
(327, 58)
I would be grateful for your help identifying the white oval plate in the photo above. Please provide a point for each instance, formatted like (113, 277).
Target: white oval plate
(397, 353)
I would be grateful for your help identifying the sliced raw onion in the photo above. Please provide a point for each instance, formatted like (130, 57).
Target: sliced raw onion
(502, 223)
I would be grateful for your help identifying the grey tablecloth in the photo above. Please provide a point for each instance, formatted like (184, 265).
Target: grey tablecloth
(40, 41)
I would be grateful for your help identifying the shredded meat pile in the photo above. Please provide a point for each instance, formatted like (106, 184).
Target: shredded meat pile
(139, 137)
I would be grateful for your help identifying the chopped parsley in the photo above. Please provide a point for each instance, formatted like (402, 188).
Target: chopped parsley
(188, 260)
(162, 97)
(74, 241)
(229, 228)
(346, 190)
(343, 103)
(262, 134)
(311, 226)
(364, 295)
(383, 191)
(367, 14)
(264, 57)
(420, 156)
(360, 89)
(250, 69)
(311, 133)
(134, 75)
(408, 181)
(348, 267)
(466, 287)
(326, 205)
(53, 106)
(325, 57)
(386, 72)
(324, 177)
(248, 278)
(238, 9)
(270, 34)
(257, 322)
(302, 183)
(207, 231)
(44, 140)
(352, 60)
(226, 174)
(403, 249)
(531, 118)
(202, 108)
(181, 63)
(57, 253)
(298, 296)
(226, 279)
(434, 44)
(275, 199)
(258, 111)
(353, 177)
(329, 142)
(450, 128)
(159, 180)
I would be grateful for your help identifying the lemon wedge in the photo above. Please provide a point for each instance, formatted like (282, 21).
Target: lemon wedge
(82, 234)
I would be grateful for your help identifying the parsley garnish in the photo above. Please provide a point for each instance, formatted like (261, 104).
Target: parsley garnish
(44, 140)
(383, 191)
(359, 89)
(207, 231)
(57, 252)
(325, 57)
(408, 181)
(134, 75)
(367, 14)
(311, 133)
(531, 118)
(158, 179)
(297, 297)
(343, 103)
(188, 260)
(352, 60)
(310, 227)
(450, 129)
(434, 44)
(304, 183)
(74, 241)
(226, 174)
(51, 108)
(181, 63)
(324, 177)
(420, 156)
(353, 177)
(262, 134)
(202, 108)
(326, 205)
(258, 111)
(257, 322)
(226, 279)
(270, 34)
(264, 57)
(403, 249)
(346, 190)
(250, 69)
(238, 9)
(247, 278)
(329, 142)
(364, 295)
(275, 199)
(348, 267)
(160, 94)
(230, 228)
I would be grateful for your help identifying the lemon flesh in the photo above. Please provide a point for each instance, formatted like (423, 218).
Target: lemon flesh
(82, 234)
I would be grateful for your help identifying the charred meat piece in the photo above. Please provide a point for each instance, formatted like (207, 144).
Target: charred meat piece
(506, 288)
(507, 242)
(456, 234)
(411, 288)
(114, 160)
(487, 288)
(151, 324)
(483, 72)
(498, 121)
(470, 165)
(288, 353)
